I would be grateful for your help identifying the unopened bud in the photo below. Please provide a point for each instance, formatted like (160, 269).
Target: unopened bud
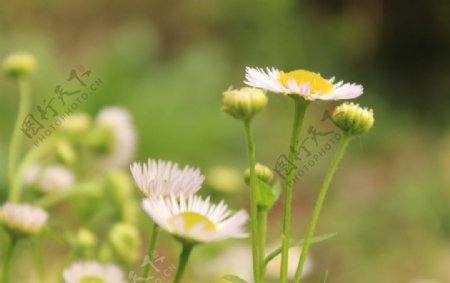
(19, 64)
(353, 119)
(244, 103)
(262, 172)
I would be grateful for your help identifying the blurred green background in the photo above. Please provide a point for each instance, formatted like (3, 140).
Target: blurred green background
(168, 62)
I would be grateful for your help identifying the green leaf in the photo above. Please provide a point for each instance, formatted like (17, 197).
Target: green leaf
(325, 279)
(276, 189)
(298, 243)
(266, 198)
(234, 278)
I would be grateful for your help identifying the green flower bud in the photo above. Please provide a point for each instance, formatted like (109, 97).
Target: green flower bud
(76, 124)
(121, 185)
(66, 152)
(224, 179)
(126, 241)
(86, 239)
(262, 172)
(19, 64)
(353, 119)
(244, 103)
(100, 139)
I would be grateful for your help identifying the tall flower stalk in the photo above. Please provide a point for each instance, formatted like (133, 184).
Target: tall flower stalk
(300, 110)
(244, 104)
(352, 120)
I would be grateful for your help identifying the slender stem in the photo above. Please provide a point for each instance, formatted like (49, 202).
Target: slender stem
(253, 204)
(17, 140)
(38, 261)
(184, 257)
(32, 155)
(262, 225)
(300, 109)
(8, 260)
(318, 206)
(151, 251)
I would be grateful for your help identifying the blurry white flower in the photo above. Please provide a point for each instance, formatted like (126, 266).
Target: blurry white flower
(273, 268)
(93, 272)
(31, 175)
(22, 219)
(123, 137)
(236, 260)
(195, 219)
(162, 178)
(309, 85)
(56, 178)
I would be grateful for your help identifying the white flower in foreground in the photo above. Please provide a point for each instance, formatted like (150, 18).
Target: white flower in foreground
(56, 178)
(273, 268)
(162, 178)
(22, 219)
(123, 137)
(309, 85)
(195, 219)
(93, 272)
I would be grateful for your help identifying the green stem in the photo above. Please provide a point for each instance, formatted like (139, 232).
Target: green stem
(318, 206)
(262, 225)
(38, 262)
(8, 260)
(184, 257)
(17, 140)
(300, 109)
(151, 251)
(253, 204)
(33, 155)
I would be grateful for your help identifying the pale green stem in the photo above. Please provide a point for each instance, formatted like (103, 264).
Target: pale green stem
(318, 206)
(253, 204)
(300, 109)
(33, 155)
(262, 225)
(17, 139)
(8, 260)
(151, 251)
(184, 258)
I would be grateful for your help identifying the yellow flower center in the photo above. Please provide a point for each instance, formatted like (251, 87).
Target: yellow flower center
(91, 279)
(317, 84)
(193, 219)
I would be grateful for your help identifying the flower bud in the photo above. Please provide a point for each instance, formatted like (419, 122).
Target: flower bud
(76, 124)
(86, 239)
(244, 103)
(65, 152)
(19, 64)
(262, 172)
(353, 119)
(224, 179)
(126, 242)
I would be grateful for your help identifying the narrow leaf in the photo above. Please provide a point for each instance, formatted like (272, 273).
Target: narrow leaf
(325, 279)
(298, 243)
(234, 278)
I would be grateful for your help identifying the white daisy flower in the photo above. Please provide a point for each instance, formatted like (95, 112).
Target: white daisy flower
(162, 178)
(56, 178)
(22, 219)
(273, 267)
(123, 146)
(309, 85)
(195, 219)
(93, 272)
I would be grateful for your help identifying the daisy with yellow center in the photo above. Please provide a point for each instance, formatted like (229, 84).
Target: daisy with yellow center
(195, 219)
(309, 85)
(93, 272)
